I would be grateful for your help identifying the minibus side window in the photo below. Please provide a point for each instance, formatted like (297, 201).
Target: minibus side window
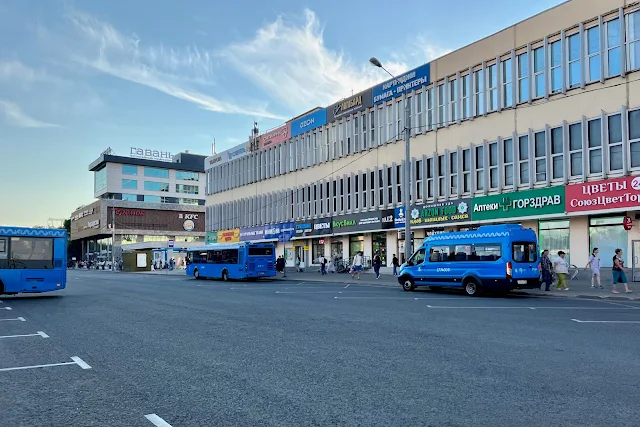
(439, 254)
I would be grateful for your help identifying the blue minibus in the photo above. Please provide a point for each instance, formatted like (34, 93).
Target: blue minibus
(494, 258)
(236, 261)
(32, 260)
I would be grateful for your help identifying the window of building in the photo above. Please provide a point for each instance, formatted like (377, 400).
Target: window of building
(466, 170)
(380, 187)
(466, 97)
(100, 179)
(189, 201)
(129, 170)
(130, 197)
(152, 199)
(614, 127)
(634, 137)
(442, 121)
(429, 178)
(341, 195)
(614, 66)
(453, 173)
(363, 119)
(633, 40)
(453, 99)
(430, 122)
(373, 127)
(356, 127)
(507, 153)
(335, 196)
(419, 112)
(419, 186)
(442, 180)
(556, 66)
(606, 234)
(187, 189)
(381, 135)
(595, 146)
(593, 54)
(399, 113)
(493, 165)
(538, 72)
(523, 159)
(129, 184)
(156, 186)
(507, 84)
(187, 176)
(523, 77)
(479, 89)
(156, 173)
(575, 149)
(480, 168)
(399, 183)
(391, 135)
(554, 236)
(493, 87)
(540, 153)
(575, 71)
(557, 153)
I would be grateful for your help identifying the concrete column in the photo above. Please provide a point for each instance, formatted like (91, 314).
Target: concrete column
(579, 240)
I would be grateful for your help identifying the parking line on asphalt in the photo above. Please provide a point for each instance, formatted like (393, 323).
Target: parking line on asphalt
(527, 308)
(39, 333)
(76, 361)
(606, 321)
(22, 319)
(6, 308)
(157, 421)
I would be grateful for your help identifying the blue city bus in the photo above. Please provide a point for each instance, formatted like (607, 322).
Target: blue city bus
(32, 260)
(494, 258)
(236, 261)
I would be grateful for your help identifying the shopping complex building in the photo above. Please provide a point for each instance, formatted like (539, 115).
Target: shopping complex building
(148, 200)
(538, 124)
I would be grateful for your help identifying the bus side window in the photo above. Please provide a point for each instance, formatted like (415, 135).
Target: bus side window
(439, 254)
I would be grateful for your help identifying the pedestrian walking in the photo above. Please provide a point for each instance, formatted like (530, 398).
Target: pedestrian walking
(357, 265)
(545, 267)
(298, 262)
(619, 275)
(377, 263)
(594, 264)
(323, 265)
(395, 264)
(561, 268)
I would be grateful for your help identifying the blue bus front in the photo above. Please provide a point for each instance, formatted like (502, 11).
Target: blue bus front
(32, 260)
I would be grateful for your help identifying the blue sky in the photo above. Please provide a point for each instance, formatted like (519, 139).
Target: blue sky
(77, 77)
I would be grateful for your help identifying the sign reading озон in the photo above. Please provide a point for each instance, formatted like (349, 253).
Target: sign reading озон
(308, 122)
(351, 105)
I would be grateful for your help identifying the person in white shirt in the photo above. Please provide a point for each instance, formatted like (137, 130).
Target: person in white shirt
(594, 263)
(561, 268)
(357, 265)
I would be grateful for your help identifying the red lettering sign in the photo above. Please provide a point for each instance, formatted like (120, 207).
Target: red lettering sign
(274, 137)
(627, 223)
(129, 212)
(601, 195)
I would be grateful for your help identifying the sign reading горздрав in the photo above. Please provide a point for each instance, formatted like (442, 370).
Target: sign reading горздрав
(350, 105)
(614, 193)
(309, 122)
(543, 201)
(404, 83)
(442, 212)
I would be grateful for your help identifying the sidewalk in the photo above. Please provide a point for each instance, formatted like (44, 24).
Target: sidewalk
(580, 287)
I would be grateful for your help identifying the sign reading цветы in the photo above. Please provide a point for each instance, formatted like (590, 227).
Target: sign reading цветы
(543, 201)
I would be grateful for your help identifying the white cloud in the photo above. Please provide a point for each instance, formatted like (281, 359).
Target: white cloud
(173, 72)
(290, 61)
(16, 117)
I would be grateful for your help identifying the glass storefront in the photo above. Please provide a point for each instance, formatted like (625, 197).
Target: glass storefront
(607, 234)
(554, 235)
(337, 251)
(356, 244)
(317, 250)
(379, 241)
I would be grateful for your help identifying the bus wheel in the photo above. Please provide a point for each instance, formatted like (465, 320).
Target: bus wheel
(196, 274)
(225, 275)
(471, 287)
(408, 284)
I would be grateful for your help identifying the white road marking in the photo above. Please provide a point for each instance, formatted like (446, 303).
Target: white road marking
(76, 361)
(39, 333)
(436, 298)
(22, 319)
(371, 297)
(5, 308)
(157, 421)
(606, 321)
(617, 303)
(303, 292)
(528, 308)
(348, 284)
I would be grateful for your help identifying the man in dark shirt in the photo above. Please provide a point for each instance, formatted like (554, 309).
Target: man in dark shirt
(545, 269)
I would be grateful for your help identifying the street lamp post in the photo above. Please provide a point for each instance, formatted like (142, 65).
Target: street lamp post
(407, 168)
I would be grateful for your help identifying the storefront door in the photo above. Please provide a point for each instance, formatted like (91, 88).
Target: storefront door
(635, 261)
(607, 234)
(379, 241)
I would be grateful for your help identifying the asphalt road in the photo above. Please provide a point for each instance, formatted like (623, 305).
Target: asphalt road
(208, 354)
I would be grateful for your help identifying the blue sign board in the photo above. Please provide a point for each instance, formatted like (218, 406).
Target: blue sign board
(399, 217)
(287, 231)
(404, 83)
(309, 122)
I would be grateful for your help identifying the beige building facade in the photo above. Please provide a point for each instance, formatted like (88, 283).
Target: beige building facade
(527, 125)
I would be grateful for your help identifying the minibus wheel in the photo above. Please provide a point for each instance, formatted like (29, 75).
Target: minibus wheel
(471, 287)
(408, 284)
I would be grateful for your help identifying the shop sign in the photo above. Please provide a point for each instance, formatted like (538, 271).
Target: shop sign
(627, 223)
(145, 153)
(229, 236)
(211, 238)
(321, 227)
(287, 232)
(543, 201)
(348, 106)
(226, 156)
(441, 212)
(404, 83)
(252, 233)
(399, 217)
(92, 224)
(129, 212)
(83, 213)
(617, 193)
(365, 221)
(387, 219)
(274, 137)
(304, 229)
(309, 122)
(189, 225)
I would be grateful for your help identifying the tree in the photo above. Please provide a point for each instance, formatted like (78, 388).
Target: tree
(67, 225)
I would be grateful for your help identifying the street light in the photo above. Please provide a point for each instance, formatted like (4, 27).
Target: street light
(407, 167)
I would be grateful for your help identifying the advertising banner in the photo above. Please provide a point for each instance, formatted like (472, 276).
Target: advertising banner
(519, 204)
(387, 219)
(321, 226)
(350, 105)
(304, 228)
(150, 219)
(229, 236)
(309, 122)
(226, 156)
(211, 238)
(441, 213)
(287, 231)
(617, 193)
(365, 221)
(406, 82)
(251, 233)
(399, 217)
(274, 137)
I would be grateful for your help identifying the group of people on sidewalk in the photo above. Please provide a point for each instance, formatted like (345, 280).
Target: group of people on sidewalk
(559, 269)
